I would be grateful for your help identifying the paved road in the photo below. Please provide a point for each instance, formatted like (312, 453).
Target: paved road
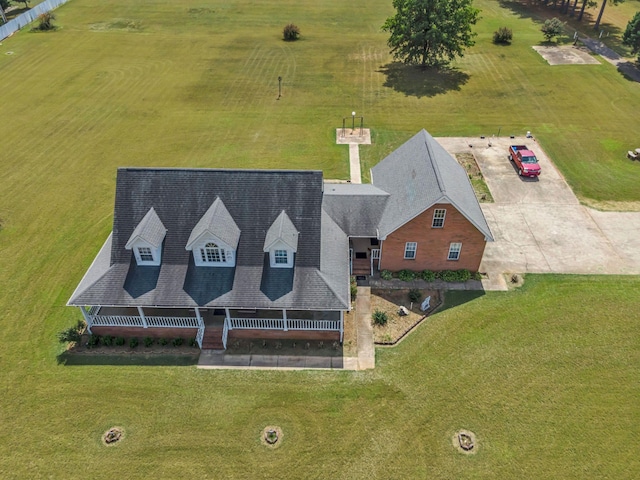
(539, 226)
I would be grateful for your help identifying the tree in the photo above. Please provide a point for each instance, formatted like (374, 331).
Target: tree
(604, 3)
(552, 28)
(26, 3)
(4, 4)
(430, 32)
(291, 32)
(631, 36)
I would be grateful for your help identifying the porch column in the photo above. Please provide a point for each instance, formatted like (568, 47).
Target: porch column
(227, 316)
(144, 320)
(87, 318)
(284, 319)
(341, 325)
(200, 322)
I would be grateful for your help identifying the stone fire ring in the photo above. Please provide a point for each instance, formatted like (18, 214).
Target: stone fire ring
(271, 436)
(465, 442)
(113, 436)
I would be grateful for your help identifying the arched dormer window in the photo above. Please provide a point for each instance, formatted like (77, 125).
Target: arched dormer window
(212, 253)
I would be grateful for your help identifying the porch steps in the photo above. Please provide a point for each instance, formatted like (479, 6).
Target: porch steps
(361, 266)
(212, 339)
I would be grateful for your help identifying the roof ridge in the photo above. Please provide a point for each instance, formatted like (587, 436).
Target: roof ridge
(436, 169)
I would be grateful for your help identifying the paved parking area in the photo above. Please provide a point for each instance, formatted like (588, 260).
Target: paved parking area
(539, 225)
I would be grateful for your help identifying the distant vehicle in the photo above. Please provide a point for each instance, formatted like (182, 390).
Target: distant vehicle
(525, 160)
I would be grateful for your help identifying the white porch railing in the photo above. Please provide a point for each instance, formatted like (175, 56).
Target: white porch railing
(375, 255)
(200, 335)
(135, 321)
(279, 324)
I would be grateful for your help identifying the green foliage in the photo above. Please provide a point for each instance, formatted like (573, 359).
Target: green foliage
(552, 28)
(428, 275)
(454, 275)
(406, 275)
(133, 342)
(177, 342)
(379, 317)
(163, 341)
(386, 275)
(476, 276)
(148, 341)
(72, 334)
(107, 340)
(94, 341)
(119, 341)
(353, 288)
(430, 32)
(291, 32)
(503, 35)
(4, 4)
(45, 22)
(631, 36)
(193, 342)
(415, 295)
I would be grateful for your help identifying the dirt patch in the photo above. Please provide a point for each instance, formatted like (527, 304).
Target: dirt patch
(465, 442)
(468, 161)
(397, 326)
(271, 436)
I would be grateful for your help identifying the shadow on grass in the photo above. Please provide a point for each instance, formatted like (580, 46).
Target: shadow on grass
(71, 360)
(422, 82)
(455, 298)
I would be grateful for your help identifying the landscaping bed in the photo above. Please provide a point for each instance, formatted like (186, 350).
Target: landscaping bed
(468, 161)
(397, 326)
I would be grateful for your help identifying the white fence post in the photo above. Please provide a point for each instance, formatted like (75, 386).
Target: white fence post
(142, 317)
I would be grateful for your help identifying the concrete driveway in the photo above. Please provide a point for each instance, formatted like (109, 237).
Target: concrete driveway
(539, 225)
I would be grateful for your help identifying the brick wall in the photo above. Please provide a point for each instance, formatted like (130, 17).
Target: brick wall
(433, 243)
(288, 335)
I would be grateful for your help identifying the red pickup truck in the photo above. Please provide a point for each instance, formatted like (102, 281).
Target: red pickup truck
(525, 160)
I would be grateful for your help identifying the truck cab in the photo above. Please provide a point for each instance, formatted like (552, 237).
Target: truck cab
(525, 160)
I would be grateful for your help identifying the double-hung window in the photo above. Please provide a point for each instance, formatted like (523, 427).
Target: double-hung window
(438, 218)
(281, 257)
(410, 250)
(145, 254)
(454, 251)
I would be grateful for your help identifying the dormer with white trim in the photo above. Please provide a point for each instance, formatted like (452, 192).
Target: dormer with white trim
(146, 240)
(281, 242)
(214, 239)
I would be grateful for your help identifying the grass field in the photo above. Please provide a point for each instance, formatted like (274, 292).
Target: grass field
(551, 387)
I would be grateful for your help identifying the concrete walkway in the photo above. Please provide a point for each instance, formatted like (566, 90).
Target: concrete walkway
(366, 349)
(353, 138)
(625, 65)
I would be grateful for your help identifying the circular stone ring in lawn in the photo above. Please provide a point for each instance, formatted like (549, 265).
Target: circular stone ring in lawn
(113, 435)
(465, 442)
(271, 436)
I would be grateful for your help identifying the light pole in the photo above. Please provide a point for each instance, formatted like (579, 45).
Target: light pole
(279, 87)
(353, 122)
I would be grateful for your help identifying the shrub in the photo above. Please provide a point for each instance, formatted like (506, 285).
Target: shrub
(45, 22)
(94, 341)
(193, 342)
(119, 341)
(455, 275)
(148, 341)
(503, 35)
(107, 340)
(386, 275)
(163, 341)
(415, 295)
(463, 275)
(552, 28)
(379, 317)
(354, 289)
(177, 342)
(71, 334)
(291, 32)
(133, 342)
(428, 275)
(476, 276)
(406, 275)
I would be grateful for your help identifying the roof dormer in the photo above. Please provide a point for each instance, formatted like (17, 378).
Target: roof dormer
(146, 240)
(281, 242)
(214, 239)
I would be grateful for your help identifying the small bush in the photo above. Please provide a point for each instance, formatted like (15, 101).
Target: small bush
(354, 289)
(45, 22)
(119, 341)
(428, 275)
(71, 334)
(107, 340)
(476, 276)
(133, 342)
(163, 341)
(415, 295)
(193, 342)
(291, 32)
(386, 275)
(463, 275)
(455, 275)
(94, 341)
(380, 317)
(177, 342)
(552, 28)
(148, 341)
(406, 275)
(503, 35)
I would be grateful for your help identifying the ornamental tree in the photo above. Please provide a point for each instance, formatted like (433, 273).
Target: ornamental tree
(552, 28)
(631, 36)
(430, 32)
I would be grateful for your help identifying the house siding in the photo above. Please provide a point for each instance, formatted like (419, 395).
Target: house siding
(433, 243)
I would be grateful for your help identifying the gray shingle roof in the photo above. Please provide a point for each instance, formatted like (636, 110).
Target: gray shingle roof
(356, 208)
(419, 174)
(253, 198)
(282, 230)
(150, 229)
(216, 221)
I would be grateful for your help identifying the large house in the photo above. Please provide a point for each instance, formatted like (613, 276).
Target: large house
(221, 254)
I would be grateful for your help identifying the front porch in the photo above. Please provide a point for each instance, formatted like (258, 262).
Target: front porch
(364, 256)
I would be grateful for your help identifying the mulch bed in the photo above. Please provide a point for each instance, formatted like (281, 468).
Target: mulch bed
(390, 301)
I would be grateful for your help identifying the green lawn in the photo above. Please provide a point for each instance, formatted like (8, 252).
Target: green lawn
(546, 376)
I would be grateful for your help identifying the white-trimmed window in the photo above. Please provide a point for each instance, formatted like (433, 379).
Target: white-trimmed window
(212, 253)
(281, 257)
(410, 250)
(438, 218)
(145, 254)
(454, 251)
